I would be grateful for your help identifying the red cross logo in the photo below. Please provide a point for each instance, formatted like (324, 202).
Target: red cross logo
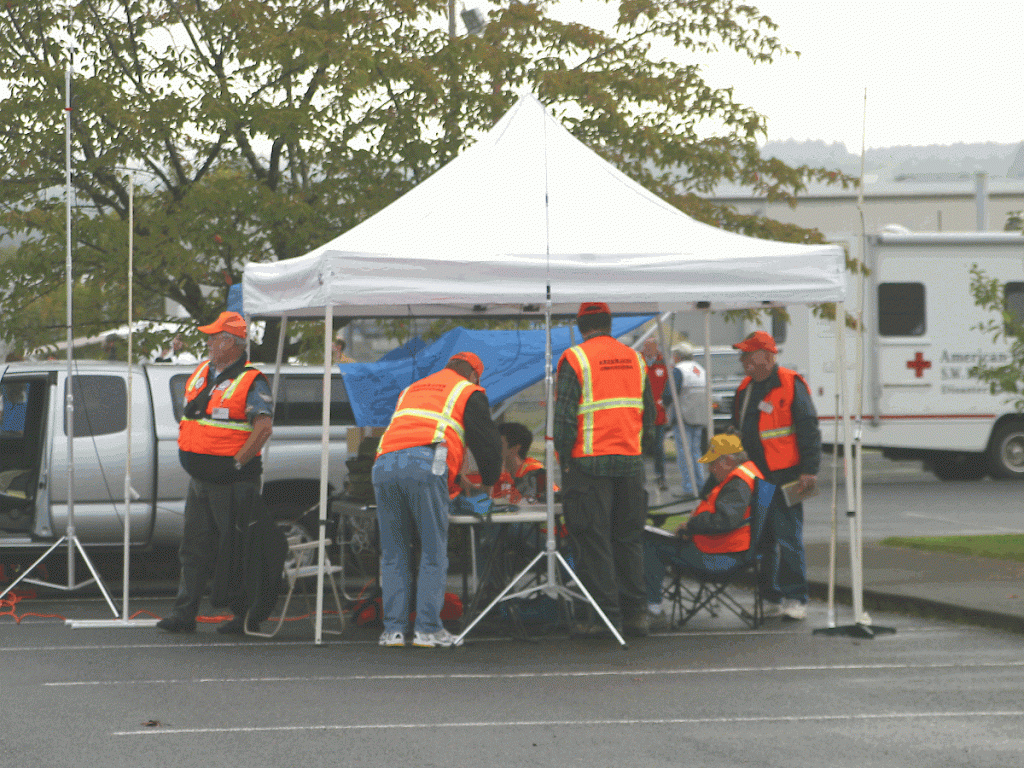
(918, 364)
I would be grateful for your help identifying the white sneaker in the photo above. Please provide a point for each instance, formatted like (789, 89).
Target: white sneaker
(771, 609)
(391, 639)
(440, 639)
(794, 610)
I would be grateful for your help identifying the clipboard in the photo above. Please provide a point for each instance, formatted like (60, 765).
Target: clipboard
(793, 496)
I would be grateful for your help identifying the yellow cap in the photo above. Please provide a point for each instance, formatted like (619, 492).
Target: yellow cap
(721, 445)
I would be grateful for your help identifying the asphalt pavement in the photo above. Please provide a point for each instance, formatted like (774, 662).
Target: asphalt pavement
(939, 691)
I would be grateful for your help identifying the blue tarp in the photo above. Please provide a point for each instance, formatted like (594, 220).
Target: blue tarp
(513, 361)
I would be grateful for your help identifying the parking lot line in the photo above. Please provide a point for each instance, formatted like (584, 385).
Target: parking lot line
(542, 675)
(861, 716)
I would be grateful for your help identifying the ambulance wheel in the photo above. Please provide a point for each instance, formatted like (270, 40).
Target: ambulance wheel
(1006, 451)
(957, 465)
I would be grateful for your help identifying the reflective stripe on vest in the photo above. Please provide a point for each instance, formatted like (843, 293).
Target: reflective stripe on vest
(419, 424)
(738, 539)
(611, 424)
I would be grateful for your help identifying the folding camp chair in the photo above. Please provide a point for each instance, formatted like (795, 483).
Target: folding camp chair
(691, 590)
(301, 563)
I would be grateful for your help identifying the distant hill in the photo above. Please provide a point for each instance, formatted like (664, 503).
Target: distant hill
(892, 163)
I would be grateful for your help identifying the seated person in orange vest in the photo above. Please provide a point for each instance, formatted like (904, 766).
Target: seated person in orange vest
(522, 479)
(717, 530)
(522, 476)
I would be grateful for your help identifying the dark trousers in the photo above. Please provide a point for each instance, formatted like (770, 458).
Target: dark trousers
(785, 561)
(605, 519)
(210, 545)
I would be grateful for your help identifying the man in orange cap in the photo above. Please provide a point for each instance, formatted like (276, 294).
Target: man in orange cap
(604, 423)
(226, 421)
(778, 424)
(415, 477)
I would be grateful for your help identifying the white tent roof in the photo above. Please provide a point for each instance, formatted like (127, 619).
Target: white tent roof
(529, 206)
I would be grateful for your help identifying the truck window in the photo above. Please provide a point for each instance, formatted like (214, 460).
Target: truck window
(901, 309)
(299, 401)
(1013, 301)
(101, 405)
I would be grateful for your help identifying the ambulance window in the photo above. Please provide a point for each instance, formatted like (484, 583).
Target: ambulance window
(1013, 297)
(100, 405)
(901, 309)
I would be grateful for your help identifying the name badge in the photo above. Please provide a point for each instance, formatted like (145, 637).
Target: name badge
(219, 413)
(765, 406)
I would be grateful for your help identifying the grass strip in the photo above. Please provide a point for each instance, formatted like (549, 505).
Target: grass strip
(1009, 546)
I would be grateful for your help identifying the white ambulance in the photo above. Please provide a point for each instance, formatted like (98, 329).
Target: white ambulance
(922, 337)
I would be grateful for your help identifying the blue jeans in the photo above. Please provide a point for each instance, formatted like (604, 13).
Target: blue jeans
(694, 436)
(408, 495)
(785, 563)
(661, 552)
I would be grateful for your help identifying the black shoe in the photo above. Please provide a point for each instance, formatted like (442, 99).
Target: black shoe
(637, 626)
(176, 624)
(237, 626)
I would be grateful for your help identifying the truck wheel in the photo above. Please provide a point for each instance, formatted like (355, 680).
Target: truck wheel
(1006, 451)
(955, 465)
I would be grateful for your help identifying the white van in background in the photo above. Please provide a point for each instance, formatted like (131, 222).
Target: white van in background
(921, 340)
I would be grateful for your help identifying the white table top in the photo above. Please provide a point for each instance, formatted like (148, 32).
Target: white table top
(525, 513)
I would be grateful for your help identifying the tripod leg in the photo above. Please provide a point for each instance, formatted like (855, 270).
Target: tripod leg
(95, 575)
(27, 571)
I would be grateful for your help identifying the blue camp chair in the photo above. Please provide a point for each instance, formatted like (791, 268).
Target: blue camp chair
(692, 590)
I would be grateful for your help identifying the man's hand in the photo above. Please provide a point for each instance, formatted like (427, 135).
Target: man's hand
(681, 531)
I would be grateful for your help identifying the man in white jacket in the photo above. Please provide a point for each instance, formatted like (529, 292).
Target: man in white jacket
(690, 380)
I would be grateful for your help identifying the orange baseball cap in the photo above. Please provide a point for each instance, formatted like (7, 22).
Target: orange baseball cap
(475, 362)
(593, 308)
(757, 340)
(228, 322)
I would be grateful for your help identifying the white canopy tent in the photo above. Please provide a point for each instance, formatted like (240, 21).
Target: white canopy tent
(530, 222)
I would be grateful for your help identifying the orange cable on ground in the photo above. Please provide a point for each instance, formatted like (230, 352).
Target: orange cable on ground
(17, 595)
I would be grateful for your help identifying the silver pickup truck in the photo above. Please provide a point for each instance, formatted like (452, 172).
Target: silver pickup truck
(34, 449)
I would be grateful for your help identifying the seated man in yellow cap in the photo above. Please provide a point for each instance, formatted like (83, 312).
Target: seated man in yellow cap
(717, 530)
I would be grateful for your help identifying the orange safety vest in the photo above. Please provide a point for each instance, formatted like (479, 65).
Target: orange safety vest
(737, 540)
(611, 410)
(430, 411)
(775, 424)
(224, 428)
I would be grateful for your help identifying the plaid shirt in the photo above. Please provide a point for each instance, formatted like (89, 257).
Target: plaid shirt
(567, 406)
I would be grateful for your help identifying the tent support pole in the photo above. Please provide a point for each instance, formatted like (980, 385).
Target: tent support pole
(681, 440)
(325, 454)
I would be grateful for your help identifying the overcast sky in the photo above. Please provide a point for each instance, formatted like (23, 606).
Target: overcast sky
(936, 72)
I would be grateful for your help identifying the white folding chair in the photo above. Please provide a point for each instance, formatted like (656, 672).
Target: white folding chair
(301, 564)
